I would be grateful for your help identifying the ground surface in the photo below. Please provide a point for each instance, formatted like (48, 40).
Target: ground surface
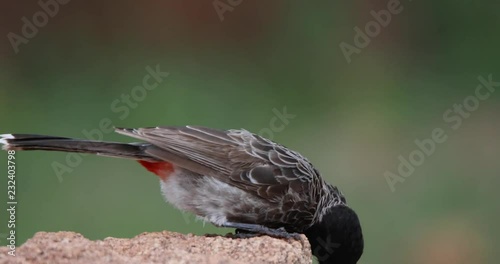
(161, 247)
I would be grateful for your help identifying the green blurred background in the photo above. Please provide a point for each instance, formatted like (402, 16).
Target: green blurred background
(352, 120)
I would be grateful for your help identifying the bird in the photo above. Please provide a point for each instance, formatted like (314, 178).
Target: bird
(232, 178)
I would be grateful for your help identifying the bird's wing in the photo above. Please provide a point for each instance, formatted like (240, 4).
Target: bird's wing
(236, 157)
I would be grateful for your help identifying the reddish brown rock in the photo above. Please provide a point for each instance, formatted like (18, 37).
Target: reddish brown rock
(161, 247)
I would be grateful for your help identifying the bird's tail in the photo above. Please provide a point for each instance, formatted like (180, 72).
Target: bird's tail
(51, 143)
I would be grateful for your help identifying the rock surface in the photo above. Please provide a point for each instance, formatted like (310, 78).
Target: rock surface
(161, 247)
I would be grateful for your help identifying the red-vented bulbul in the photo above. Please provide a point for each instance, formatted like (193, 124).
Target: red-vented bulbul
(232, 179)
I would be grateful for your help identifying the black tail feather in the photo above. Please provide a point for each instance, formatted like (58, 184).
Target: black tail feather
(51, 143)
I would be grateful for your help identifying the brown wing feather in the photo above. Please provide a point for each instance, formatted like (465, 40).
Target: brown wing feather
(237, 157)
(244, 160)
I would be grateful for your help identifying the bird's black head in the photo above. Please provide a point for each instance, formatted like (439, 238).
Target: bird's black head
(338, 237)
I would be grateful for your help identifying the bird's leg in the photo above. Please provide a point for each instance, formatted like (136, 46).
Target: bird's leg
(244, 230)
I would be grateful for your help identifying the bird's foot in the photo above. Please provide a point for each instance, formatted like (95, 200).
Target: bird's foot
(244, 230)
(282, 233)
